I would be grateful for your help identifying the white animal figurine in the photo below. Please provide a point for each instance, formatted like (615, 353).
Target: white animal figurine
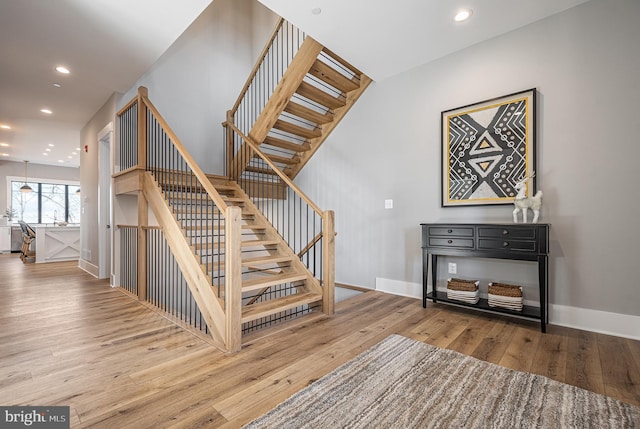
(522, 202)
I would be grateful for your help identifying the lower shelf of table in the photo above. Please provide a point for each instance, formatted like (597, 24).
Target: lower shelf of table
(528, 311)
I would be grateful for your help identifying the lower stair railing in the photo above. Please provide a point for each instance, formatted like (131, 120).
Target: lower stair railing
(194, 219)
(308, 230)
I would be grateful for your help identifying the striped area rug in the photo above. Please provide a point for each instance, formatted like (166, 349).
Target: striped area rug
(402, 383)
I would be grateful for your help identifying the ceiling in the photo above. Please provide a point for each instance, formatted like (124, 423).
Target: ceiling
(109, 44)
(383, 38)
(106, 44)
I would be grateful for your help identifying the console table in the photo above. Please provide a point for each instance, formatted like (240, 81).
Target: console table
(524, 242)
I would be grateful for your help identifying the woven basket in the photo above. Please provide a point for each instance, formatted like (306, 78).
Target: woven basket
(462, 285)
(504, 289)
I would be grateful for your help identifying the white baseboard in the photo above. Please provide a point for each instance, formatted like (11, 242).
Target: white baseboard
(603, 322)
(87, 266)
(398, 287)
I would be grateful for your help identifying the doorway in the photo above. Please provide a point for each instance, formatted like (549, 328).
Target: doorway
(105, 235)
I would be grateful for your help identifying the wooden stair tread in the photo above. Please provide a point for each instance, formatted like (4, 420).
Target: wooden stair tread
(263, 309)
(283, 159)
(221, 228)
(271, 280)
(308, 114)
(245, 243)
(261, 260)
(326, 73)
(319, 96)
(283, 144)
(259, 170)
(297, 130)
(335, 57)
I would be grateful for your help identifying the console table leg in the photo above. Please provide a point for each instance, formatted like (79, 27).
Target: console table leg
(425, 277)
(434, 276)
(543, 279)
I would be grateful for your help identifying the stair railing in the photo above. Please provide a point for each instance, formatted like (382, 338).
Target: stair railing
(274, 60)
(205, 220)
(309, 231)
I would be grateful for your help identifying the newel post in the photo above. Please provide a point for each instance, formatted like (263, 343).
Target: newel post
(142, 127)
(233, 279)
(143, 221)
(329, 266)
(143, 207)
(230, 145)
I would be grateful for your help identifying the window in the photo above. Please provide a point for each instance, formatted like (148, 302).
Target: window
(47, 203)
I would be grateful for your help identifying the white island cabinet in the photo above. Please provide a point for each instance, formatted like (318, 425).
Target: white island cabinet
(57, 243)
(5, 239)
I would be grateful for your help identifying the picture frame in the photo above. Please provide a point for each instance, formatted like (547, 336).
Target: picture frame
(487, 147)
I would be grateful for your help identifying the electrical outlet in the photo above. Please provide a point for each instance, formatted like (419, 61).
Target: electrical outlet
(453, 268)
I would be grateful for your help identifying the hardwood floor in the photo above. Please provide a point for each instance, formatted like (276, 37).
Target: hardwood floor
(69, 339)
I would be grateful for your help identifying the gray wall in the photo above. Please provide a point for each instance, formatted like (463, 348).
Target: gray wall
(200, 76)
(89, 243)
(585, 64)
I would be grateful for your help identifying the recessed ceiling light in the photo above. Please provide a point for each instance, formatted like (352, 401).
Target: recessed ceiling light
(51, 145)
(60, 160)
(45, 153)
(5, 154)
(47, 111)
(4, 144)
(74, 153)
(316, 11)
(462, 15)
(5, 127)
(77, 148)
(62, 69)
(48, 150)
(57, 85)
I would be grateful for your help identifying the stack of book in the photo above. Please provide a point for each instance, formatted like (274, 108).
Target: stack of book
(463, 290)
(505, 296)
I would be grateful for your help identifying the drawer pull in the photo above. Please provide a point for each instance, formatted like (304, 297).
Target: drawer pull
(450, 241)
(449, 231)
(505, 244)
(505, 232)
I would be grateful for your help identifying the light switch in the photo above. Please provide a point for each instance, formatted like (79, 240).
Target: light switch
(388, 204)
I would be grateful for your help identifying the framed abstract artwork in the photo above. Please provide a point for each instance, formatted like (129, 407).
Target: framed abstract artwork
(487, 147)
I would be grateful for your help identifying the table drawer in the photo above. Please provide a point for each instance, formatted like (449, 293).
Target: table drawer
(465, 243)
(506, 232)
(507, 245)
(453, 231)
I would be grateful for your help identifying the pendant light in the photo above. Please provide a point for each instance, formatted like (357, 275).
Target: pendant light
(25, 188)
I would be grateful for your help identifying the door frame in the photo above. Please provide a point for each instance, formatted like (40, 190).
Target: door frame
(105, 197)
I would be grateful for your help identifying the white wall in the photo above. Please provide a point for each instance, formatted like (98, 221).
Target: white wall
(585, 64)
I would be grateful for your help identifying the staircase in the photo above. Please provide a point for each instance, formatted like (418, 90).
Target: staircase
(267, 260)
(250, 246)
(315, 93)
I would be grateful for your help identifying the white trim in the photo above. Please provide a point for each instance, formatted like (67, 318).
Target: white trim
(604, 322)
(398, 287)
(89, 267)
(106, 130)
(620, 325)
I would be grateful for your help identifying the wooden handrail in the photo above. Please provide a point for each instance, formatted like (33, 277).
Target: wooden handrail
(126, 106)
(282, 176)
(195, 168)
(264, 53)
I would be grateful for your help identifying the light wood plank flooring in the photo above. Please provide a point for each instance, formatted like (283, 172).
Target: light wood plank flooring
(69, 339)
